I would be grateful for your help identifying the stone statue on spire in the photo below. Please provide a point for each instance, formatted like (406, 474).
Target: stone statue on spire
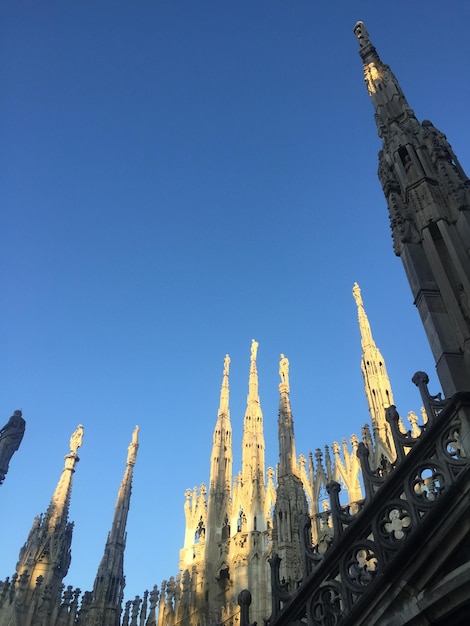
(356, 290)
(226, 365)
(76, 439)
(284, 371)
(254, 349)
(361, 33)
(133, 447)
(10, 438)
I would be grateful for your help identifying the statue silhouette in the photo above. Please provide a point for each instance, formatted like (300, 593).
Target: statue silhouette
(10, 438)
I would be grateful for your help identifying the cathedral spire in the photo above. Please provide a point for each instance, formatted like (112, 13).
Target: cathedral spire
(376, 382)
(428, 197)
(287, 458)
(253, 437)
(107, 595)
(387, 97)
(58, 510)
(221, 460)
(290, 497)
(367, 341)
(224, 392)
(46, 553)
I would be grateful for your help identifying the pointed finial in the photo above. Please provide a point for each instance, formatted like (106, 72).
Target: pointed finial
(254, 349)
(367, 340)
(76, 439)
(133, 447)
(356, 291)
(361, 33)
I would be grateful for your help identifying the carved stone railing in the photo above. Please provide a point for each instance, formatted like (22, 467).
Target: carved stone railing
(400, 508)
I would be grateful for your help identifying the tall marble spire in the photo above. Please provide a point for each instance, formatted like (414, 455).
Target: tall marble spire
(287, 458)
(106, 604)
(221, 458)
(253, 436)
(376, 382)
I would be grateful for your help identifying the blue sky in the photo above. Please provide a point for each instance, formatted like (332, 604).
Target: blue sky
(176, 178)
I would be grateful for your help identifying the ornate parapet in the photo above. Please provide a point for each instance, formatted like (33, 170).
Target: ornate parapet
(411, 522)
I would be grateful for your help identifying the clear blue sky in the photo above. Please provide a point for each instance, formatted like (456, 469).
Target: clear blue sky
(178, 177)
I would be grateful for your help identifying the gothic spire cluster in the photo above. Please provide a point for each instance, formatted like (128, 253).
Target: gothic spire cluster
(232, 527)
(240, 523)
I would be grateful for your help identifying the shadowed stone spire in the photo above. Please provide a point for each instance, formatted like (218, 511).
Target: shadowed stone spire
(287, 457)
(387, 97)
(428, 197)
(106, 604)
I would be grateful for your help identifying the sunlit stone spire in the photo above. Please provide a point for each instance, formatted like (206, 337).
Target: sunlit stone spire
(376, 382)
(253, 437)
(221, 459)
(367, 341)
(107, 595)
(46, 553)
(224, 392)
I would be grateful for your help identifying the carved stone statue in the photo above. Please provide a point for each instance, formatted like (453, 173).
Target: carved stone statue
(10, 438)
(76, 439)
(357, 294)
(284, 370)
(254, 349)
(133, 447)
(226, 365)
